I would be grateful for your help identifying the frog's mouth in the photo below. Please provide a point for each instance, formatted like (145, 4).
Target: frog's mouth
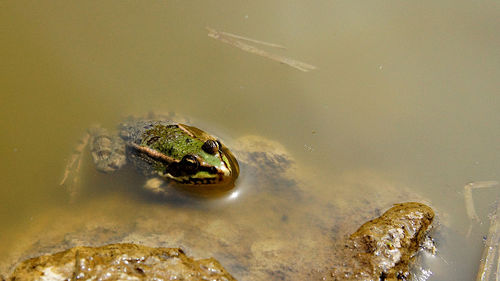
(205, 175)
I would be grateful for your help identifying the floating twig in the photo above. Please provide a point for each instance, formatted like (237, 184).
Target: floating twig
(232, 40)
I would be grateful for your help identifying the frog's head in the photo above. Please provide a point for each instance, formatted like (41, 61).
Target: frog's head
(189, 156)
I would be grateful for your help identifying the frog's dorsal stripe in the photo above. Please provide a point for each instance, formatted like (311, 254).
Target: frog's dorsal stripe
(164, 158)
(181, 126)
(154, 154)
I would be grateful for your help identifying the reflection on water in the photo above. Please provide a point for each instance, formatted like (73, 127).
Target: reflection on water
(404, 95)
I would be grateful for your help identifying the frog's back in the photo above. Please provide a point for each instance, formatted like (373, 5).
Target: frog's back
(132, 130)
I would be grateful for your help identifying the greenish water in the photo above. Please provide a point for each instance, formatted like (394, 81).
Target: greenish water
(408, 90)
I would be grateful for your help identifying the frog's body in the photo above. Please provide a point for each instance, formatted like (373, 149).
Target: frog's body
(161, 148)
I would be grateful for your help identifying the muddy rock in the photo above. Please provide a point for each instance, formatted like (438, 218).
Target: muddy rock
(120, 262)
(381, 249)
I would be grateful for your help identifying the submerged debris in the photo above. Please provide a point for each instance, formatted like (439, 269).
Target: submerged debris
(469, 203)
(235, 40)
(491, 250)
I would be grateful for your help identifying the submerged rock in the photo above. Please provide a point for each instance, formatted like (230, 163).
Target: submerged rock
(382, 248)
(278, 226)
(120, 262)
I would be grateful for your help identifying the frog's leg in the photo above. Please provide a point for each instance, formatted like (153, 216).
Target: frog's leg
(108, 155)
(156, 186)
(71, 176)
(108, 152)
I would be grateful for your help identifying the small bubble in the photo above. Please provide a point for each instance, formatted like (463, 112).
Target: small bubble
(15, 149)
(380, 67)
(246, 16)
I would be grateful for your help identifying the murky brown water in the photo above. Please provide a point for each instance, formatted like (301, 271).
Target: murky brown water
(405, 90)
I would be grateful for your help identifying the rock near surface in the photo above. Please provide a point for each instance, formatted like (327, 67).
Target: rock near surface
(381, 249)
(120, 262)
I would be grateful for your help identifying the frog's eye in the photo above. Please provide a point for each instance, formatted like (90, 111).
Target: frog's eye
(189, 164)
(210, 147)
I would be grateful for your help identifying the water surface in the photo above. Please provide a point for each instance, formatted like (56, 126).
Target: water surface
(405, 90)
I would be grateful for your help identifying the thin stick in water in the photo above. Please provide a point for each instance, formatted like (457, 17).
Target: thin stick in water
(232, 40)
(469, 202)
(250, 39)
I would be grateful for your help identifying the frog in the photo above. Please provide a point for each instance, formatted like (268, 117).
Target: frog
(167, 152)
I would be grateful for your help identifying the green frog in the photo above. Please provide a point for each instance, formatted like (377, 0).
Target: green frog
(161, 149)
